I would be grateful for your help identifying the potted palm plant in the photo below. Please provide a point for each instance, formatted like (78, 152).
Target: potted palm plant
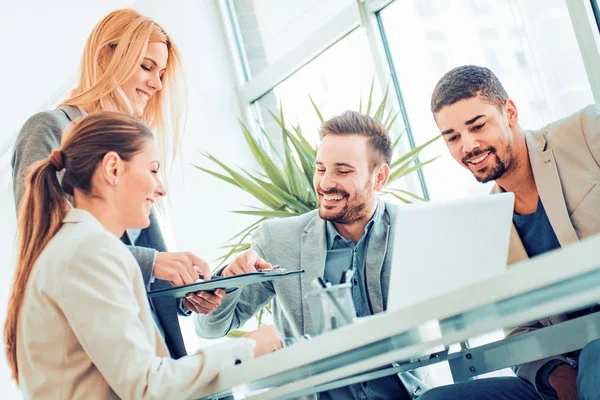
(283, 181)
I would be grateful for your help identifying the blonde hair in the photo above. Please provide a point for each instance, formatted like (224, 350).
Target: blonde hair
(45, 205)
(114, 49)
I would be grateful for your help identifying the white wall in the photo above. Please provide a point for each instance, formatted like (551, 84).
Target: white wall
(41, 51)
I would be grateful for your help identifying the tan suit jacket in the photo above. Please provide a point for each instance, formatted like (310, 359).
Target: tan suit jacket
(86, 331)
(565, 158)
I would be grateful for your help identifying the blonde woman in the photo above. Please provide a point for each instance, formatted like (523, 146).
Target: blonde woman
(78, 324)
(129, 65)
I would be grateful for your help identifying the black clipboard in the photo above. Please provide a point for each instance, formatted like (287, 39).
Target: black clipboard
(229, 283)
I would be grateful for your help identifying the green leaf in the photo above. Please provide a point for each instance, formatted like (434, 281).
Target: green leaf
(395, 143)
(297, 137)
(387, 119)
(236, 334)
(412, 153)
(246, 229)
(264, 160)
(236, 245)
(407, 193)
(296, 178)
(283, 196)
(402, 199)
(260, 316)
(259, 193)
(311, 197)
(316, 109)
(381, 109)
(268, 213)
(405, 171)
(369, 102)
(307, 160)
(272, 148)
(388, 126)
(220, 176)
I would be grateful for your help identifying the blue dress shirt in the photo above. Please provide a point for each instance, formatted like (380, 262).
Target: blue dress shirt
(341, 255)
(538, 237)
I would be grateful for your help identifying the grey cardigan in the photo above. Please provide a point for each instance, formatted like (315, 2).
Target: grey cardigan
(37, 138)
(300, 243)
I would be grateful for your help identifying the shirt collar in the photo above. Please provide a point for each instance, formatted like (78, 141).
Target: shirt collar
(333, 235)
(76, 215)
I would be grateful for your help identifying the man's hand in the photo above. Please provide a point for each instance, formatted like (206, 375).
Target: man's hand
(203, 302)
(267, 340)
(180, 268)
(563, 380)
(247, 262)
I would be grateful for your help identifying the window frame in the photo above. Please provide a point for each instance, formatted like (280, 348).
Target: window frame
(365, 14)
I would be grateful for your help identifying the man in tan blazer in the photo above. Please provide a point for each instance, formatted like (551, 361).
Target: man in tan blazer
(555, 175)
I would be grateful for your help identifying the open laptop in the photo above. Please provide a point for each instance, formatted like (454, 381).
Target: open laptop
(441, 246)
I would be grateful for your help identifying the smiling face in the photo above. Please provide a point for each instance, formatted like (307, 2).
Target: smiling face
(479, 136)
(140, 187)
(345, 185)
(146, 78)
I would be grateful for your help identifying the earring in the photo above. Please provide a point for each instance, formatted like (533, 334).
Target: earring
(116, 181)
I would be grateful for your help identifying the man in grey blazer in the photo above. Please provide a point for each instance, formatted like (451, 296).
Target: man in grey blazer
(37, 138)
(351, 228)
(555, 175)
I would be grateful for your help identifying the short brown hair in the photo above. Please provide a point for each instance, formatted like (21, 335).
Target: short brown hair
(465, 82)
(355, 123)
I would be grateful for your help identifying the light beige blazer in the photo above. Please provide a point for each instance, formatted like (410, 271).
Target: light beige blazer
(565, 158)
(85, 330)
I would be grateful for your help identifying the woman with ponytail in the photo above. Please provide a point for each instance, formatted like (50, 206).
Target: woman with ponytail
(129, 65)
(78, 323)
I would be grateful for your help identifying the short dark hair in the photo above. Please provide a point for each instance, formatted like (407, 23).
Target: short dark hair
(355, 123)
(465, 82)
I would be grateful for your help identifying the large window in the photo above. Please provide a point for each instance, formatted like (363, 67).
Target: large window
(336, 80)
(269, 30)
(530, 45)
(332, 49)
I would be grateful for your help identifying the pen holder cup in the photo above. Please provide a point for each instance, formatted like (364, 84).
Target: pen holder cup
(331, 307)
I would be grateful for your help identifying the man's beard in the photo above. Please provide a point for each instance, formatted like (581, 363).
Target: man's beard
(355, 209)
(497, 170)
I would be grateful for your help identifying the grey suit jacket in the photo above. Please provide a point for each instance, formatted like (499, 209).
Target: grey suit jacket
(37, 138)
(300, 243)
(565, 159)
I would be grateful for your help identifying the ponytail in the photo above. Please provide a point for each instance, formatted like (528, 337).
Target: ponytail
(44, 205)
(41, 213)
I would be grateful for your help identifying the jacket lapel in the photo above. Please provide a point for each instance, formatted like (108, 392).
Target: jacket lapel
(376, 252)
(313, 252)
(550, 189)
(72, 112)
(516, 250)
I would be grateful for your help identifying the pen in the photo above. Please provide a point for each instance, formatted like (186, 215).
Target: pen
(319, 284)
(347, 275)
